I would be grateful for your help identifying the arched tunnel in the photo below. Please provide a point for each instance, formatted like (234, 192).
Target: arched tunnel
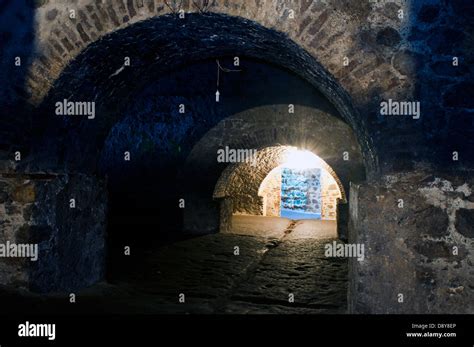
(217, 161)
(156, 146)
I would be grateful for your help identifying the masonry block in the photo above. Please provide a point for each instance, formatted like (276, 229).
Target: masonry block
(36, 209)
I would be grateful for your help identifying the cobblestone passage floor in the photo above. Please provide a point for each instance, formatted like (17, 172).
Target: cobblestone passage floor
(250, 273)
(225, 273)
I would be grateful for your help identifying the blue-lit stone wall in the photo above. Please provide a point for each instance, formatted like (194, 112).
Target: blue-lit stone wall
(301, 193)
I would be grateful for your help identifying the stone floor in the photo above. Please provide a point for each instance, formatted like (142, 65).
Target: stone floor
(214, 278)
(275, 227)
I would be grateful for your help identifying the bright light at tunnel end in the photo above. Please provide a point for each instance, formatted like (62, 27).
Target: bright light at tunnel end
(301, 159)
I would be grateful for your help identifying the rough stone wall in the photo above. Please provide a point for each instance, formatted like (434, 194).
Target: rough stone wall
(330, 194)
(35, 209)
(271, 193)
(419, 243)
(342, 213)
(301, 190)
(226, 211)
(245, 180)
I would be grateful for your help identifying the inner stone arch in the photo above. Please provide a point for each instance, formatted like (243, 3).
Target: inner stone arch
(255, 188)
(271, 131)
(277, 187)
(162, 49)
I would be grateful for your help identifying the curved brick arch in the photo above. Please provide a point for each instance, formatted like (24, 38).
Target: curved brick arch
(236, 37)
(246, 178)
(324, 31)
(321, 163)
(320, 27)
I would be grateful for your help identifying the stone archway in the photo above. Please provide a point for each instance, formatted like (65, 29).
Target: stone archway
(75, 145)
(242, 37)
(311, 25)
(260, 128)
(238, 189)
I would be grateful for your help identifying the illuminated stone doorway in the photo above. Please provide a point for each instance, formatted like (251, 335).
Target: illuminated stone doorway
(300, 188)
(255, 204)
